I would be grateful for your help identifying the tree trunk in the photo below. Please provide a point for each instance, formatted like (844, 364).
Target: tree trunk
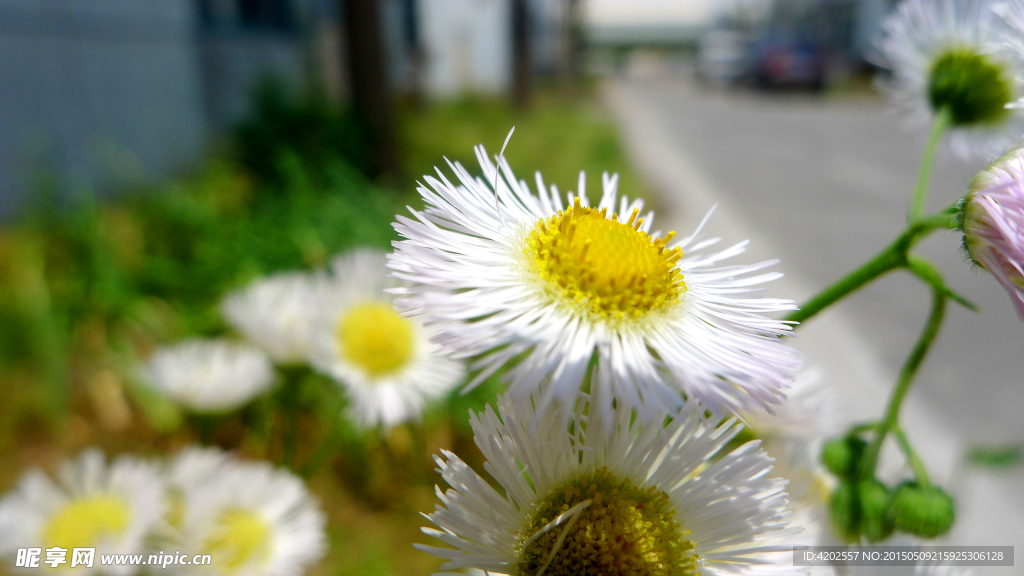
(521, 88)
(368, 81)
(569, 64)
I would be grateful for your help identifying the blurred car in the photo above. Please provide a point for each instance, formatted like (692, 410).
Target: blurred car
(722, 57)
(781, 61)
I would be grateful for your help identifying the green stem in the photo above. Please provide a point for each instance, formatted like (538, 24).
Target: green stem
(857, 429)
(892, 257)
(322, 453)
(289, 399)
(939, 126)
(899, 392)
(920, 473)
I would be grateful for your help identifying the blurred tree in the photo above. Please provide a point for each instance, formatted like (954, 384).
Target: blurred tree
(369, 82)
(307, 126)
(521, 86)
(568, 65)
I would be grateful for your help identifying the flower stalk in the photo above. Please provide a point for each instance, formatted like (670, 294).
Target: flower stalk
(906, 378)
(942, 121)
(893, 257)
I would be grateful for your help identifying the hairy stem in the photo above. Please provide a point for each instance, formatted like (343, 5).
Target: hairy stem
(892, 257)
(899, 392)
(942, 121)
(920, 473)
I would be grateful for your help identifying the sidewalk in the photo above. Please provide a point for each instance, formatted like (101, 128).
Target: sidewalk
(991, 505)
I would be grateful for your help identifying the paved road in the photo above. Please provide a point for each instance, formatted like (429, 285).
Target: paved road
(822, 185)
(827, 182)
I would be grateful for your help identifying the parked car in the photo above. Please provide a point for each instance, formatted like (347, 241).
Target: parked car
(789, 61)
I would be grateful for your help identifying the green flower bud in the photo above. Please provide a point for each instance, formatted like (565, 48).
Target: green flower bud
(975, 88)
(842, 455)
(925, 512)
(875, 522)
(844, 512)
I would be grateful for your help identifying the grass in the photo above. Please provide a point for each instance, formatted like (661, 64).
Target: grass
(557, 137)
(88, 291)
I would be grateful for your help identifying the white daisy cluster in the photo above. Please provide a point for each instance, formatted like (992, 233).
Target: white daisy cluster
(624, 349)
(249, 517)
(341, 323)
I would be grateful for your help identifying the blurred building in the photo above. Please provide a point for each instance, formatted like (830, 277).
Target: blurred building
(649, 22)
(103, 93)
(98, 94)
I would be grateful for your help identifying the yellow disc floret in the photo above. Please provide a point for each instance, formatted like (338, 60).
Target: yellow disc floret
(375, 338)
(603, 266)
(238, 537)
(626, 530)
(82, 522)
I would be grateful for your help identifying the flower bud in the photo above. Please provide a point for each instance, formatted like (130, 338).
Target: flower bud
(842, 455)
(992, 218)
(844, 513)
(875, 523)
(926, 512)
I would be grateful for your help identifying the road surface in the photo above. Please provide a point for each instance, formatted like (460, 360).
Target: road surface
(823, 184)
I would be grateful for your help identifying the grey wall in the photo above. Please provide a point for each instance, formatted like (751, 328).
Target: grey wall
(97, 92)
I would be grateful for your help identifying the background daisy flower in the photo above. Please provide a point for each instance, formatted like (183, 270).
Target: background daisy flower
(209, 375)
(274, 313)
(510, 275)
(251, 519)
(92, 504)
(953, 55)
(582, 495)
(387, 364)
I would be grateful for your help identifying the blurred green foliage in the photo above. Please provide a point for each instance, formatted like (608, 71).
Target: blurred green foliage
(558, 137)
(88, 291)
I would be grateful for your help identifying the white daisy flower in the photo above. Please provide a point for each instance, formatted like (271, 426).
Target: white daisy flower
(110, 507)
(274, 313)
(952, 54)
(387, 364)
(518, 276)
(209, 375)
(192, 467)
(251, 519)
(195, 465)
(794, 435)
(583, 496)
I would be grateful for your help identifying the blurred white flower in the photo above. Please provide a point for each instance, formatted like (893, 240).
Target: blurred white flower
(794, 435)
(190, 468)
(524, 280)
(92, 504)
(209, 375)
(275, 313)
(386, 363)
(617, 497)
(251, 519)
(993, 223)
(954, 54)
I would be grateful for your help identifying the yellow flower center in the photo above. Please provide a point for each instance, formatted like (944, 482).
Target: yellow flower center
(626, 530)
(602, 266)
(375, 338)
(175, 509)
(239, 537)
(82, 522)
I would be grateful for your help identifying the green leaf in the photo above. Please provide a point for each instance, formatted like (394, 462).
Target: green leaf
(996, 456)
